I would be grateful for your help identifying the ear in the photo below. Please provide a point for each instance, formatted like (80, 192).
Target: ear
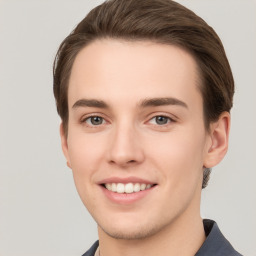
(64, 144)
(219, 135)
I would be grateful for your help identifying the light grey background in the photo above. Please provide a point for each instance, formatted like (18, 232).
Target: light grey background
(40, 211)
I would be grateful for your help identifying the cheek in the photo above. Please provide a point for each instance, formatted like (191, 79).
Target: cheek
(179, 156)
(179, 162)
(85, 153)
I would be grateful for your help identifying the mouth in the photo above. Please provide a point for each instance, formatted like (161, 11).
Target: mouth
(127, 188)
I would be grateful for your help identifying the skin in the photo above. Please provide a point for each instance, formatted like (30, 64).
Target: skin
(129, 141)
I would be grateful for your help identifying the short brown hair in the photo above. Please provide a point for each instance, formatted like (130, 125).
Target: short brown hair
(161, 21)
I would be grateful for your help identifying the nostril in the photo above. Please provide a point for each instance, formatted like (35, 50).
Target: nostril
(122, 162)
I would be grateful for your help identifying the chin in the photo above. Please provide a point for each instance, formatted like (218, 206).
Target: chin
(137, 232)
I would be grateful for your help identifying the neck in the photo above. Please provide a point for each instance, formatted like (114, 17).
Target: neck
(182, 237)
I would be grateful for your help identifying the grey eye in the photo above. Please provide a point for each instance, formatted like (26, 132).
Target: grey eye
(95, 120)
(161, 120)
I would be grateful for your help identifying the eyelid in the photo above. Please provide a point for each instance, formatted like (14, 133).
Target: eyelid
(156, 114)
(87, 116)
(169, 121)
(171, 117)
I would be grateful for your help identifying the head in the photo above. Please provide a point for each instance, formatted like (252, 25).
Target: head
(161, 21)
(149, 29)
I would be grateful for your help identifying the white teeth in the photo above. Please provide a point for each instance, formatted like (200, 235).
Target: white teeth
(136, 187)
(113, 187)
(143, 186)
(120, 188)
(109, 186)
(127, 188)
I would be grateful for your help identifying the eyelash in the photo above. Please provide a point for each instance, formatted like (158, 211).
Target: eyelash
(85, 119)
(167, 118)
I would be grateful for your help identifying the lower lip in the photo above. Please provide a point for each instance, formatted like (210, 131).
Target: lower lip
(126, 198)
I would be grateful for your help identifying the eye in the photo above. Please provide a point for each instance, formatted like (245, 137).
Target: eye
(160, 120)
(94, 120)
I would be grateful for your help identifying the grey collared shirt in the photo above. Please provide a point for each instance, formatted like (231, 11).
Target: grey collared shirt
(214, 245)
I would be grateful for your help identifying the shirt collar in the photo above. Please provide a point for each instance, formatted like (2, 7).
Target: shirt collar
(215, 244)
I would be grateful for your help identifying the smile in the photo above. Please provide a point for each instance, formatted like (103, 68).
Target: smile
(127, 188)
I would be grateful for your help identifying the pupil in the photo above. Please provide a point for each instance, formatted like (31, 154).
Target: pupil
(96, 120)
(161, 120)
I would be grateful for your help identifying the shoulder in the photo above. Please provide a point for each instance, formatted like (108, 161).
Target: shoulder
(92, 250)
(215, 244)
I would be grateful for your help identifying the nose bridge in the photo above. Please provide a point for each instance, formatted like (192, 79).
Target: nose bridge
(125, 147)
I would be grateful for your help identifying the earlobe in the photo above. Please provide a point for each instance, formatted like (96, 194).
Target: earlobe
(64, 144)
(219, 135)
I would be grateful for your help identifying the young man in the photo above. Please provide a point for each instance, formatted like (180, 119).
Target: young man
(144, 91)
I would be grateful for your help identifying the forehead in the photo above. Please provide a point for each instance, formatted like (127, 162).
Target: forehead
(116, 70)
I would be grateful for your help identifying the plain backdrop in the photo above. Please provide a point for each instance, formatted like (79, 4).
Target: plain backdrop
(40, 210)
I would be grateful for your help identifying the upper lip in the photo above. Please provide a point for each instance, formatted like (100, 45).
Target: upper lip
(125, 180)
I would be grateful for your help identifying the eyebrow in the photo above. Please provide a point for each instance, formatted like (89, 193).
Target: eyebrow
(151, 102)
(90, 103)
(155, 102)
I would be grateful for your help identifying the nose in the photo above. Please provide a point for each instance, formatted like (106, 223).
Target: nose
(125, 149)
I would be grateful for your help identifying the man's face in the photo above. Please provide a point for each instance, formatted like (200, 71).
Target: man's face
(136, 116)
